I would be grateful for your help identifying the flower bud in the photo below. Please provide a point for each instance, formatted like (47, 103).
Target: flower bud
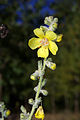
(53, 66)
(8, 112)
(55, 20)
(44, 92)
(50, 65)
(48, 20)
(54, 26)
(59, 38)
(31, 101)
(24, 116)
(35, 75)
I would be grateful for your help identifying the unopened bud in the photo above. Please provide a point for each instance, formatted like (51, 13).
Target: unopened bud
(8, 112)
(50, 65)
(44, 28)
(54, 26)
(56, 20)
(48, 20)
(44, 92)
(35, 75)
(53, 66)
(59, 38)
(31, 101)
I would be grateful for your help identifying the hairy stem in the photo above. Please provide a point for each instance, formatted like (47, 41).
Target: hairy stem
(38, 91)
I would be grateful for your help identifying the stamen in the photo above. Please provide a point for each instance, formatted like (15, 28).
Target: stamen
(44, 42)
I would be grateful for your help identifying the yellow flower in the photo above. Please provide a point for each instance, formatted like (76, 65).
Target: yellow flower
(39, 113)
(8, 112)
(44, 42)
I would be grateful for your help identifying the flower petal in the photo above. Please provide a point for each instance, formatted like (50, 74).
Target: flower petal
(34, 43)
(50, 35)
(38, 32)
(59, 38)
(53, 47)
(43, 52)
(39, 113)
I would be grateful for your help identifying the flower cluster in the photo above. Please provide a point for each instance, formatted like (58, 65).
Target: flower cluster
(46, 39)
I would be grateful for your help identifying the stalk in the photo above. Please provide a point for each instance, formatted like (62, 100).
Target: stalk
(38, 91)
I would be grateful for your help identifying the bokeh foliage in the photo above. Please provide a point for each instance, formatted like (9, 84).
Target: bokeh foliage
(18, 61)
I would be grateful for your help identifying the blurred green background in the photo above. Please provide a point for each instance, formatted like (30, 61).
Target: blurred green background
(18, 61)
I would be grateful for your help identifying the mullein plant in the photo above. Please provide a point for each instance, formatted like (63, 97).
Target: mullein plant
(45, 41)
(4, 112)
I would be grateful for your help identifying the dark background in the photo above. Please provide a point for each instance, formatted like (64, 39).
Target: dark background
(18, 61)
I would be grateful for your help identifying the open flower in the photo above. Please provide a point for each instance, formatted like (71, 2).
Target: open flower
(44, 42)
(39, 113)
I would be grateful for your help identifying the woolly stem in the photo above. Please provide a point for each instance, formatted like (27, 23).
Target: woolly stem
(38, 91)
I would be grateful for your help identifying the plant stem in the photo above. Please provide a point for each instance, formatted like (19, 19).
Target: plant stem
(38, 92)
